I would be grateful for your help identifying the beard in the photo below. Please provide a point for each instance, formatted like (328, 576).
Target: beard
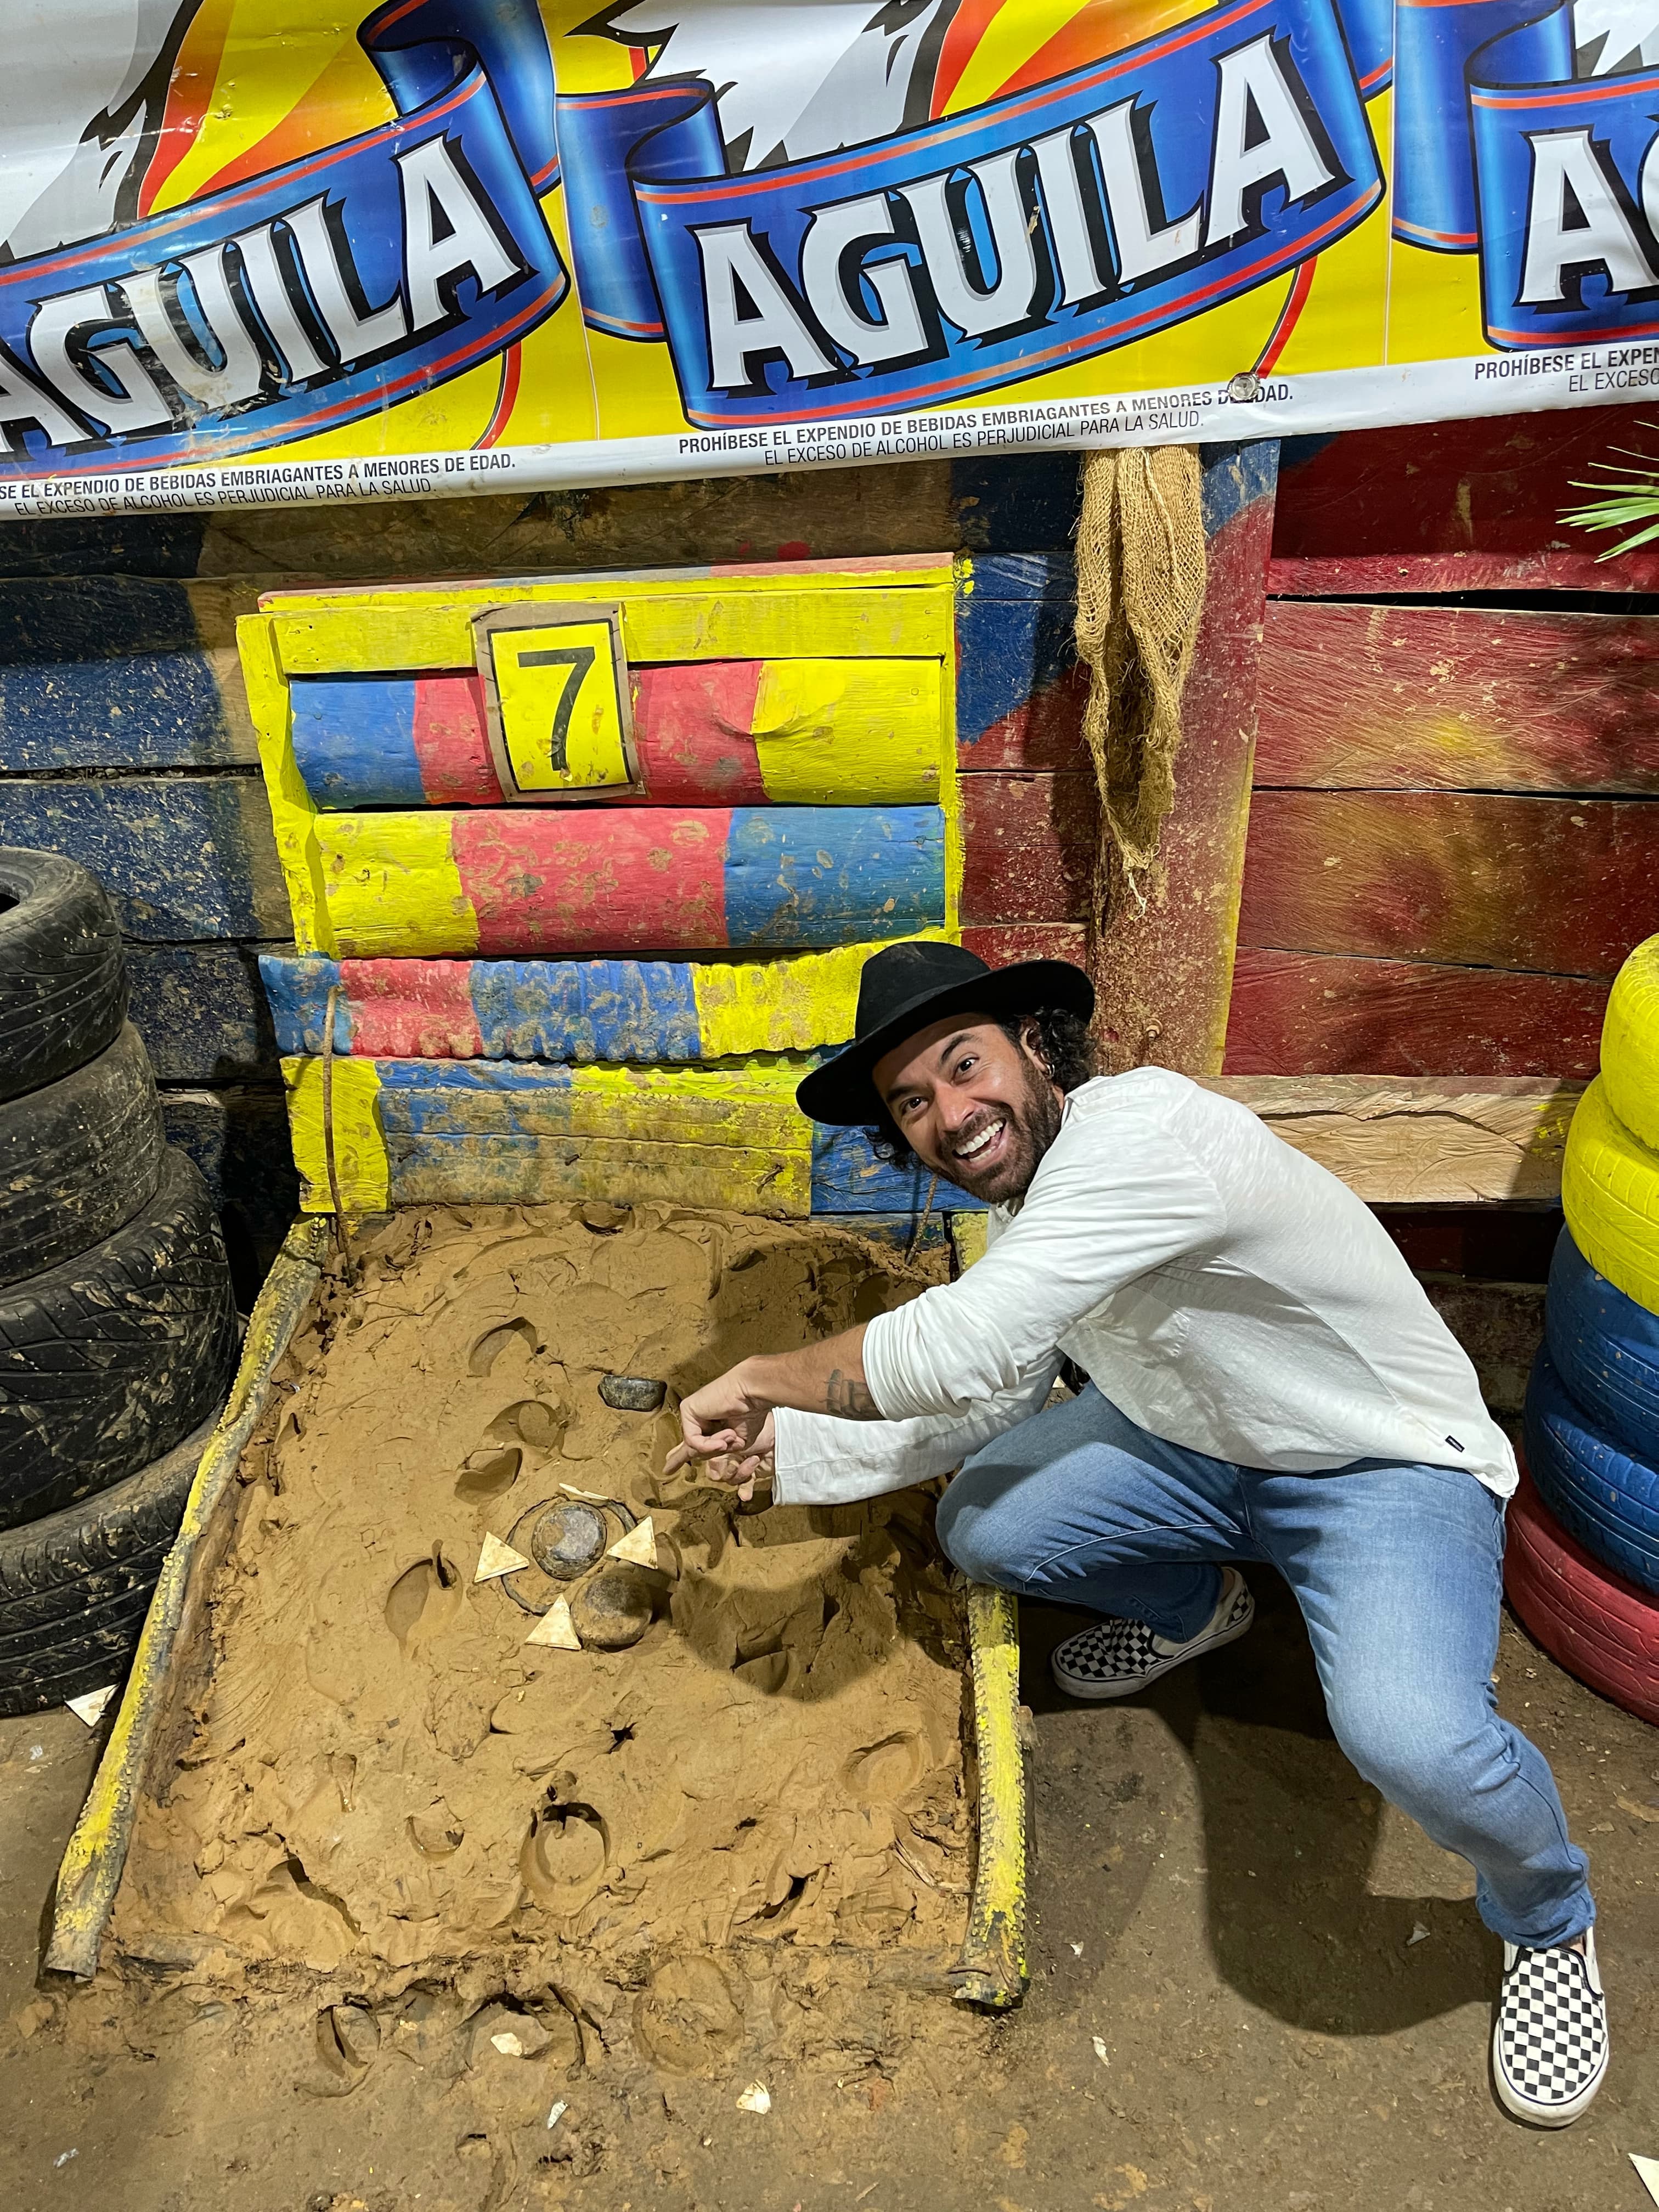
(1033, 1122)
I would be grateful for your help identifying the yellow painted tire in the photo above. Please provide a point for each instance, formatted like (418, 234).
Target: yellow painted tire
(1610, 1189)
(1629, 1044)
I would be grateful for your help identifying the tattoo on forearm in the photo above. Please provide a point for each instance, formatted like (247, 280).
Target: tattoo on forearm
(847, 1396)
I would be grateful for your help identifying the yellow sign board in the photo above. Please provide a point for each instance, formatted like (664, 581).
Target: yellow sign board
(556, 694)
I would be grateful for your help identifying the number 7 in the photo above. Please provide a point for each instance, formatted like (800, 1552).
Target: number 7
(578, 659)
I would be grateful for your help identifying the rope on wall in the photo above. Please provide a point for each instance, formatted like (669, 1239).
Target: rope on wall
(1140, 576)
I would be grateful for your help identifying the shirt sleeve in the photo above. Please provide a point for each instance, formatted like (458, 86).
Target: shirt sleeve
(1115, 1195)
(820, 1460)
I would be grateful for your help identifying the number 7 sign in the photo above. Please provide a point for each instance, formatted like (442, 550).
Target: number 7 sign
(556, 701)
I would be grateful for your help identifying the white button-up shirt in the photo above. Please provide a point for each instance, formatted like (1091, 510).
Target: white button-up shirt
(1223, 1291)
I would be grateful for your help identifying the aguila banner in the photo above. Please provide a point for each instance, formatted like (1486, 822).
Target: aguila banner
(269, 249)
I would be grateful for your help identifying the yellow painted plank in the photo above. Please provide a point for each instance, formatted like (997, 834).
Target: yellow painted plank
(990, 1969)
(908, 572)
(359, 1154)
(968, 1236)
(786, 1004)
(525, 1171)
(293, 810)
(873, 731)
(391, 887)
(425, 631)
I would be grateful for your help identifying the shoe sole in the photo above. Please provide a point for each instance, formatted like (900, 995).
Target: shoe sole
(1095, 1694)
(1520, 2107)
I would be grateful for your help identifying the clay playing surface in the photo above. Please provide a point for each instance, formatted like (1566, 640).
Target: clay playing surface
(387, 1784)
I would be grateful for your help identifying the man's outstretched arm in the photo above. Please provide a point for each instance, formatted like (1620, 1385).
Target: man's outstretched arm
(726, 1415)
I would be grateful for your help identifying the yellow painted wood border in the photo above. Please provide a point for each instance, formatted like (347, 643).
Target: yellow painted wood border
(990, 1969)
(360, 1153)
(949, 786)
(95, 1856)
(907, 571)
(430, 631)
(293, 810)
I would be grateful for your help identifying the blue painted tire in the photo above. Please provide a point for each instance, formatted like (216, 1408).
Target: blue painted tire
(1606, 1349)
(1603, 1496)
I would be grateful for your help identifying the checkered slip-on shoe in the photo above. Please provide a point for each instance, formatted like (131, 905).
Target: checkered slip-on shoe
(1549, 2044)
(1116, 1658)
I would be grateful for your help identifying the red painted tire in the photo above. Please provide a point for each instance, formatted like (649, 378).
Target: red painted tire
(1592, 1621)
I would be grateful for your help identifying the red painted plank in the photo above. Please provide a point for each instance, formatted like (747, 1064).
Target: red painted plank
(578, 880)
(1045, 729)
(1028, 847)
(692, 725)
(1299, 1013)
(411, 1009)
(1458, 698)
(1002, 943)
(1455, 506)
(1564, 885)
(450, 744)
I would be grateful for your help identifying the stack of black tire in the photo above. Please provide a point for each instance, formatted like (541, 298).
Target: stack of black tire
(118, 1324)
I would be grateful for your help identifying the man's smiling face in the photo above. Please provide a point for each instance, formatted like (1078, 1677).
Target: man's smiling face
(972, 1105)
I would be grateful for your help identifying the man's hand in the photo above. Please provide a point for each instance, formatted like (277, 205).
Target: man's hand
(722, 1419)
(730, 1419)
(735, 1470)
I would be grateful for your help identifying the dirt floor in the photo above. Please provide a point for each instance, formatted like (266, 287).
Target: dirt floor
(1253, 1988)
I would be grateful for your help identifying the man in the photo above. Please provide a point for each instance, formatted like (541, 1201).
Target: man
(1266, 1382)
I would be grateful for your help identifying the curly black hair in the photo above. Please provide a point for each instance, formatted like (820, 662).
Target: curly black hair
(1063, 1042)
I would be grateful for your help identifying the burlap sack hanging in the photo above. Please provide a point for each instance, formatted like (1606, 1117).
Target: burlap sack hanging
(1140, 573)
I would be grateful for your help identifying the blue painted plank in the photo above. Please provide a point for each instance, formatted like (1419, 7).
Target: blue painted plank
(848, 1178)
(587, 1009)
(1234, 477)
(182, 856)
(1009, 650)
(202, 1013)
(898, 1229)
(112, 672)
(354, 740)
(833, 875)
(297, 984)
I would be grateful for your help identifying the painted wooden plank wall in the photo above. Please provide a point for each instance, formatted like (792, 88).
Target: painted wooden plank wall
(1454, 507)
(1029, 842)
(116, 654)
(574, 1010)
(1458, 699)
(1323, 1014)
(182, 856)
(1563, 885)
(803, 733)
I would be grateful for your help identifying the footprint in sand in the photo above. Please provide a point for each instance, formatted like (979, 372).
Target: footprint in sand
(880, 1772)
(481, 1360)
(424, 1600)
(689, 2020)
(564, 1855)
(348, 2043)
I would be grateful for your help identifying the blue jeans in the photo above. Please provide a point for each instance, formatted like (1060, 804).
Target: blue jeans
(1398, 1571)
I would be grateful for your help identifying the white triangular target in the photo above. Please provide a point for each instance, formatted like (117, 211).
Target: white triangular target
(555, 1629)
(498, 1559)
(1647, 2171)
(638, 1546)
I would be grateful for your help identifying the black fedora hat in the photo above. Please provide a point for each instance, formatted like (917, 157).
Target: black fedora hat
(905, 987)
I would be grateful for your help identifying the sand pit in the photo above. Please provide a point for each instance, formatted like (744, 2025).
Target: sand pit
(383, 1787)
